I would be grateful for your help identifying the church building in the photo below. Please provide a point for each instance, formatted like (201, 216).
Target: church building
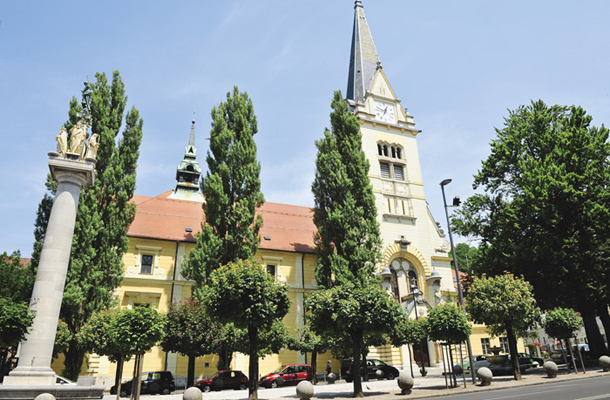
(415, 268)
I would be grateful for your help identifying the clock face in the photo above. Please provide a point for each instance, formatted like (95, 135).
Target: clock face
(385, 112)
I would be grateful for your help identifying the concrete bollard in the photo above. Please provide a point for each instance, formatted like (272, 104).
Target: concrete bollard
(484, 374)
(45, 396)
(192, 393)
(331, 378)
(551, 369)
(305, 390)
(604, 362)
(405, 382)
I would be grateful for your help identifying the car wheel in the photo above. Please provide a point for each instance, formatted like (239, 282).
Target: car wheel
(206, 388)
(242, 386)
(390, 376)
(124, 393)
(274, 384)
(166, 391)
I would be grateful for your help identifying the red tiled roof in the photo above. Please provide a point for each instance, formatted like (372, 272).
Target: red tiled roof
(289, 228)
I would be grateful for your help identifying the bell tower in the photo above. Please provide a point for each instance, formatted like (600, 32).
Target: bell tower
(415, 268)
(188, 173)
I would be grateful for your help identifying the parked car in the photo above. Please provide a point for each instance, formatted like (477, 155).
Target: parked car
(481, 360)
(535, 361)
(287, 375)
(157, 382)
(372, 366)
(223, 380)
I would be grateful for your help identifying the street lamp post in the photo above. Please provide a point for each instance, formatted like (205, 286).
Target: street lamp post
(415, 292)
(457, 272)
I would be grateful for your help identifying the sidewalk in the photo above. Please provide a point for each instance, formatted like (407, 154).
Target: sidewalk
(433, 385)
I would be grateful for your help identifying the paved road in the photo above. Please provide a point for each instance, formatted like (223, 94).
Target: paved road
(595, 385)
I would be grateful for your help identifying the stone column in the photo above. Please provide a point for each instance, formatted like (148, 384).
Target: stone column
(34, 367)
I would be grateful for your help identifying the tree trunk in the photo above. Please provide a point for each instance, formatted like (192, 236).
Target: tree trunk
(512, 347)
(74, 360)
(314, 366)
(190, 378)
(365, 377)
(253, 364)
(602, 311)
(357, 339)
(118, 374)
(569, 345)
(594, 337)
(136, 387)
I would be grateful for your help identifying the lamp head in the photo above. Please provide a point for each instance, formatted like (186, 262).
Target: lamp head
(446, 182)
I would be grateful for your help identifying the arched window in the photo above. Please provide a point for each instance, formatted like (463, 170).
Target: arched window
(413, 280)
(391, 165)
(395, 286)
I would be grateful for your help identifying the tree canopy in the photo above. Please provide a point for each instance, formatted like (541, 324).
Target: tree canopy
(104, 212)
(447, 323)
(505, 304)
(561, 323)
(542, 211)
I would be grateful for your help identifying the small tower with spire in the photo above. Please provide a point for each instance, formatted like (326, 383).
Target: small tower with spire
(188, 173)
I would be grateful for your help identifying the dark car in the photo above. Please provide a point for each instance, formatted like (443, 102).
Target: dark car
(526, 358)
(287, 375)
(372, 366)
(158, 382)
(502, 368)
(223, 380)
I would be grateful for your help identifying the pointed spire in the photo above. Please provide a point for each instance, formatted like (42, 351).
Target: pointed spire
(188, 172)
(364, 60)
(192, 138)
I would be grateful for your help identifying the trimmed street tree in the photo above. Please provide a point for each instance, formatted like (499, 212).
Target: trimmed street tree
(188, 331)
(506, 305)
(543, 212)
(104, 213)
(244, 294)
(350, 304)
(561, 323)
(15, 317)
(410, 332)
(306, 341)
(447, 323)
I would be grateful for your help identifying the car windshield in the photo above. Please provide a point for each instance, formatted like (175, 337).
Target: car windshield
(215, 375)
(277, 371)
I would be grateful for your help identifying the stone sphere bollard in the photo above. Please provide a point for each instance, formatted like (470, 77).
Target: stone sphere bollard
(484, 374)
(551, 369)
(379, 374)
(45, 396)
(405, 382)
(331, 378)
(192, 393)
(305, 390)
(604, 362)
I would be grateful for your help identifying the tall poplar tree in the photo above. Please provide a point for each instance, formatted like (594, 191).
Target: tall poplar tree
(351, 304)
(104, 213)
(231, 188)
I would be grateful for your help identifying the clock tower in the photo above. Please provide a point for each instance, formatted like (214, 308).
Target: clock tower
(415, 267)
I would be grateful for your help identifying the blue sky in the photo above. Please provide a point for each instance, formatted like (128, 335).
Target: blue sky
(457, 66)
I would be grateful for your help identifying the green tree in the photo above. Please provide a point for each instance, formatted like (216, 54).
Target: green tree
(447, 323)
(231, 187)
(121, 334)
(15, 317)
(189, 331)
(306, 341)
(104, 213)
(244, 294)
(348, 242)
(505, 304)
(543, 209)
(409, 332)
(561, 323)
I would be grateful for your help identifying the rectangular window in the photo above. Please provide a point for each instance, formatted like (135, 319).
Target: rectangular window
(485, 345)
(504, 344)
(147, 261)
(398, 173)
(385, 170)
(271, 269)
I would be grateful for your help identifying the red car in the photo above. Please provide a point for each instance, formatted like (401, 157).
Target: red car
(287, 375)
(223, 380)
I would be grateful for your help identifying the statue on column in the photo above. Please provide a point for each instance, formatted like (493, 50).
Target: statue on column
(78, 135)
(86, 102)
(62, 142)
(93, 146)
